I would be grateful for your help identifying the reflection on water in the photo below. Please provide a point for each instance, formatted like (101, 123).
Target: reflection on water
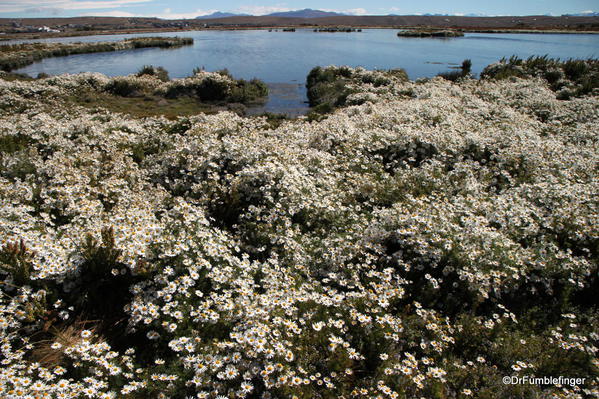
(281, 58)
(284, 98)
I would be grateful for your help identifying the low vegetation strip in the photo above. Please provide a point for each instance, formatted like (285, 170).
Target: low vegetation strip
(150, 92)
(430, 33)
(17, 56)
(426, 239)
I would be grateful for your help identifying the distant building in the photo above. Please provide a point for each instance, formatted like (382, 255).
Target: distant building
(47, 29)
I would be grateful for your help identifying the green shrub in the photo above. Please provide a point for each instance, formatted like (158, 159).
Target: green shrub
(248, 92)
(13, 143)
(16, 260)
(575, 69)
(124, 87)
(197, 70)
(454, 76)
(218, 90)
(211, 89)
(159, 72)
(329, 88)
(101, 285)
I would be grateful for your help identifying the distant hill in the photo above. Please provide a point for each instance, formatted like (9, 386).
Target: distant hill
(84, 25)
(305, 13)
(219, 14)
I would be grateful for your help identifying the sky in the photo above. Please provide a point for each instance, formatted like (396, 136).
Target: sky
(193, 8)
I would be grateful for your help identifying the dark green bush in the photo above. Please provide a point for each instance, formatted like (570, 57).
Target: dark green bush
(463, 72)
(211, 89)
(452, 76)
(327, 87)
(13, 143)
(159, 72)
(575, 69)
(16, 260)
(124, 87)
(101, 285)
(248, 92)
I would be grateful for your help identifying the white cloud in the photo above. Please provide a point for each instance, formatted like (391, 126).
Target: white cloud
(111, 14)
(166, 14)
(351, 11)
(60, 5)
(355, 11)
(261, 10)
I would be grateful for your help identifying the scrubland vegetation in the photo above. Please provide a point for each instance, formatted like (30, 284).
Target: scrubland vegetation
(568, 78)
(421, 240)
(14, 56)
(150, 92)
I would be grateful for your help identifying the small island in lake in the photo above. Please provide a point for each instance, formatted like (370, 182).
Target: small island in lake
(430, 33)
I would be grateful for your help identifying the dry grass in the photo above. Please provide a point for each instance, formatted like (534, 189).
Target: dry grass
(66, 336)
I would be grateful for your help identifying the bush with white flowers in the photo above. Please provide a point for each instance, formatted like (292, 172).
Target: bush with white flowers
(424, 243)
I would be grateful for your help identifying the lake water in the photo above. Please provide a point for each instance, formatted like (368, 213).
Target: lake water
(283, 59)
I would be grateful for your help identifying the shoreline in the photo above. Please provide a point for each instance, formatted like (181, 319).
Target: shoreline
(41, 36)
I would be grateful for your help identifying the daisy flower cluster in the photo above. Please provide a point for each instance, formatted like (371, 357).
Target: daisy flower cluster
(425, 240)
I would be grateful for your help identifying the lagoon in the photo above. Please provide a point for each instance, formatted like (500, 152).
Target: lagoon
(283, 59)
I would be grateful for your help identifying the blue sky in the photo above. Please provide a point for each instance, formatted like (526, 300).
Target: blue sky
(193, 8)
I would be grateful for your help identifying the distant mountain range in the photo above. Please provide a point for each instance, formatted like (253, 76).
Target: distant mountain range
(219, 14)
(310, 13)
(305, 13)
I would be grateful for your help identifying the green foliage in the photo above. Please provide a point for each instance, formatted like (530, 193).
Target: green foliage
(212, 89)
(164, 42)
(454, 76)
(20, 168)
(124, 87)
(150, 70)
(16, 260)
(13, 143)
(467, 66)
(274, 120)
(197, 70)
(248, 92)
(329, 88)
(101, 284)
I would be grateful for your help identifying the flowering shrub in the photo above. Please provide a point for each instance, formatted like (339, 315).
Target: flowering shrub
(333, 87)
(426, 241)
(569, 78)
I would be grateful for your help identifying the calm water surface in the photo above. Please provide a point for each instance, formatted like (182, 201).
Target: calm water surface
(283, 59)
